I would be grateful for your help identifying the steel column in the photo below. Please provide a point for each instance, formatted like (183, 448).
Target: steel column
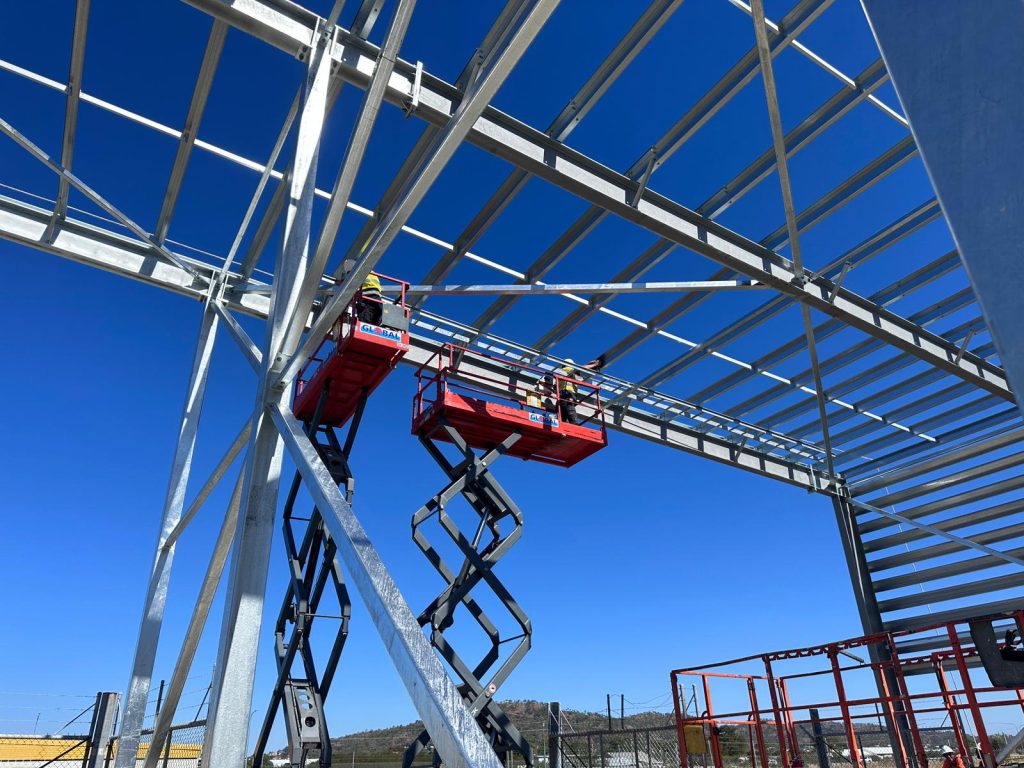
(207, 590)
(231, 694)
(156, 593)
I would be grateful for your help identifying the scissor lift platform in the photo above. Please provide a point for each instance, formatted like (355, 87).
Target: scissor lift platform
(351, 363)
(484, 424)
(484, 419)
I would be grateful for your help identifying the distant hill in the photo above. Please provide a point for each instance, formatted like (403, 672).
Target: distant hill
(531, 717)
(386, 745)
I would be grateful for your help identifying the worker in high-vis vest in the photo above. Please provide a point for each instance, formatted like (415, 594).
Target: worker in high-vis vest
(368, 303)
(568, 392)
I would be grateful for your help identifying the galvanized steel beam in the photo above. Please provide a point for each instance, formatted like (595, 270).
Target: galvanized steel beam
(137, 691)
(73, 91)
(458, 123)
(231, 692)
(631, 44)
(126, 257)
(798, 19)
(204, 82)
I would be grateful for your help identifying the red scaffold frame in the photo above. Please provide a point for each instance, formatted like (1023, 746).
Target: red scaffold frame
(485, 408)
(894, 700)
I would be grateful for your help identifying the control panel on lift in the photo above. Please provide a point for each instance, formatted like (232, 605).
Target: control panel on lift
(560, 419)
(366, 343)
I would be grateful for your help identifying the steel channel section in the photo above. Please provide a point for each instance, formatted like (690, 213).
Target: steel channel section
(453, 729)
(265, 175)
(799, 137)
(956, 591)
(498, 134)
(458, 124)
(797, 20)
(276, 206)
(867, 249)
(782, 168)
(957, 71)
(211, 482)
(888, 367)
(502, 136)
(669, 286)
(126, 257)
(980, 516)
(924, 317)
(949, 480)
(1012, 483)
(137, 695)
(940, 398)
(870, 79)
(207, 590)
(19, 138)
(919, 468)
(773, 308)
(864, 251)
(204, 81)
(636, 269)
(631, 44)
(101, 730)
(976, 430)
(351, 162)
(496, 34)
(74, 91)
(867, 603)
(231, 695)
(864, 179)
(919, 576)
(972, 408)
(214, 149)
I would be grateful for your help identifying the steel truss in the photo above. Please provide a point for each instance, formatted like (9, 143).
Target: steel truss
(927, 496)
(472, 477)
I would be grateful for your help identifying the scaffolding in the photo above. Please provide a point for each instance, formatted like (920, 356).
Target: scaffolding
(777, 725)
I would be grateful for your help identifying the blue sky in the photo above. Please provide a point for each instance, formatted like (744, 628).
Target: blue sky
(637, 561)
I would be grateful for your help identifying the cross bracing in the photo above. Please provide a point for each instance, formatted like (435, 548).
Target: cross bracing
(904, 397)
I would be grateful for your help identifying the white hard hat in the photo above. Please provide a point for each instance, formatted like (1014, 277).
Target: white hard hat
(570, 361)
(947, 750)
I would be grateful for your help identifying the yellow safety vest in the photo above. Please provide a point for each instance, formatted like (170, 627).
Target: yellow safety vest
(569, 372)
(371, 284)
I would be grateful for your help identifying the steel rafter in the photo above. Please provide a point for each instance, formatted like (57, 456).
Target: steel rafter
(74, 92)
(798, 19)
(204, 82)
(113, 252)
(629, 47)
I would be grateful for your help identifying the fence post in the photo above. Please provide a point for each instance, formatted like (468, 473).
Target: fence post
(554, 735)
(100, 730)
(819, 740)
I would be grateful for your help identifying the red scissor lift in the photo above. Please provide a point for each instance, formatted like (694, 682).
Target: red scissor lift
(911, 692)
(352, 361)
(330, 392)
(486, 407)
(478, 398)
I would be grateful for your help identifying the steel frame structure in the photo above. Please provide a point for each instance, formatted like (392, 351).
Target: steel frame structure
(867, 421)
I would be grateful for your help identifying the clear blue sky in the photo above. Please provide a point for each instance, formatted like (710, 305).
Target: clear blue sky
(637, 561)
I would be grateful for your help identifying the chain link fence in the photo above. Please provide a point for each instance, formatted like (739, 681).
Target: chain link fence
(630, 748)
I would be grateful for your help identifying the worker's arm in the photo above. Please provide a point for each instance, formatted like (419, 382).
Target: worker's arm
(596, 364)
